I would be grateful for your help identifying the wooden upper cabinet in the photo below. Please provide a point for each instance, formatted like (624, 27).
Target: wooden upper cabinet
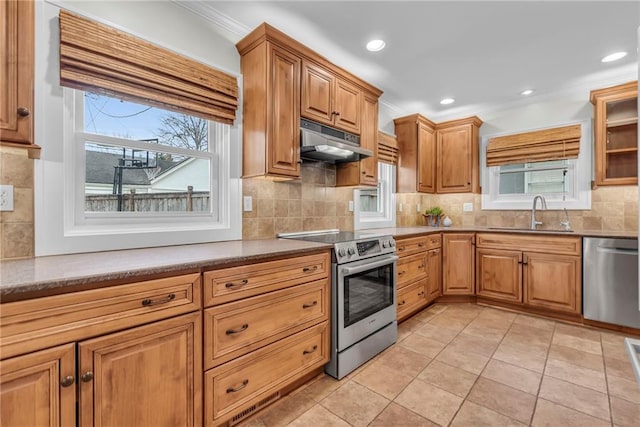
(438, 158)
(328, 99)
(17, 74)
(426, 159)
(416, 154)
(457, 147)
(147, 376)
(284, 80)
(458, 261)
(39, 389)
(364, 172)
(271, 117)
(317, 93)
(616, 134)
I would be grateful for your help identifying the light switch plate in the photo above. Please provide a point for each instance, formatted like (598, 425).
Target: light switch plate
(248, 203)
(467, 207)
(350, 205)
(418, 208)
(400, 207)
(6, 197)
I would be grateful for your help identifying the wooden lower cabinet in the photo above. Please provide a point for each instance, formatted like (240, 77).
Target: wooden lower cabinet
(39, 389)
(553, 282)
(499, 274)
(237, 388)
(145, 376)
(434, 274)
(411, 298)
(458, 261)
(534, 271)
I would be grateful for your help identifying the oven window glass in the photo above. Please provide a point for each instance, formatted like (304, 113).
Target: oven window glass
(367, 293)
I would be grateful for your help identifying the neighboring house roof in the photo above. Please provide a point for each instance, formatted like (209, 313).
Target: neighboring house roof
(100, 169)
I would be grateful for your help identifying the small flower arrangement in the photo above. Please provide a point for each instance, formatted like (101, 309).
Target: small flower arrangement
(434, 216)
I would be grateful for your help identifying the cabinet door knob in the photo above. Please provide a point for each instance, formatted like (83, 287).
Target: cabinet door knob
(23, 112)
(86, 377)
(67, 381)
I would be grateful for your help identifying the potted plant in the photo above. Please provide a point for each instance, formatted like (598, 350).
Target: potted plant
(434, 216)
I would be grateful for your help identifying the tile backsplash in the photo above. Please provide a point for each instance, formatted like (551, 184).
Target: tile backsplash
(17, 226)
(612, 209)
(310, 203)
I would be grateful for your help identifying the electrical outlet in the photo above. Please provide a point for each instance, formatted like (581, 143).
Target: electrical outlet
(248, 203)
(350, 205)
(6, 197)
(418, 208)
(467, 207)
(400, 207)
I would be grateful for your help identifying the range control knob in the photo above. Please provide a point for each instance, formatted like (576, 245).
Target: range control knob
(341, 252)
(351, 251)
(392, 243)
(385, 243)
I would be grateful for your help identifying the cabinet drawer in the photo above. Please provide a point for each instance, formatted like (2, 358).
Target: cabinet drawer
(233, 387)
(411, 268)
(434, 241)
(240, 327)
(33, 324)
(411, 298)
(230, 284)
(541, 243)
(411, 245)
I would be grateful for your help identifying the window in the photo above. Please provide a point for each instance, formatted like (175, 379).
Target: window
(375, 207)
(564, 183)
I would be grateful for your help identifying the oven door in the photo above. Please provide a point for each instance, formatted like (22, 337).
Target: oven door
(366, 293)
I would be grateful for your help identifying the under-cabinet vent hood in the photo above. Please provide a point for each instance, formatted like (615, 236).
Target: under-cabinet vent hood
(322, 143)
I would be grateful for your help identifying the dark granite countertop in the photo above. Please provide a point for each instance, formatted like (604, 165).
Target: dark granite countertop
(27, 278)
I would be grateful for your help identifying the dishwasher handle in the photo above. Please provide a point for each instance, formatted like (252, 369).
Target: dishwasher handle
(624, 251)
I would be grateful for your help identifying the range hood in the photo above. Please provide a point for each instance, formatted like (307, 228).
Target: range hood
(323, 143)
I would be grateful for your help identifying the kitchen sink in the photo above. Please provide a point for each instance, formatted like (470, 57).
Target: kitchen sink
(528, 229)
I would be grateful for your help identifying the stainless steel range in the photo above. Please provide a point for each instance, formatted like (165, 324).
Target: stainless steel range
(363, 296)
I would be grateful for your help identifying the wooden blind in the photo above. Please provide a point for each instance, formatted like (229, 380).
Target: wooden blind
(98, 58)
(387, 148)
(537, 146)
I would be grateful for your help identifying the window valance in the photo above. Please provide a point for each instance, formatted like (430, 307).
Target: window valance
(537, 146)
(101, 59)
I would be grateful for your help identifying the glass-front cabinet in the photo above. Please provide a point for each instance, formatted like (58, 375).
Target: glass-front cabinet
(616, 134)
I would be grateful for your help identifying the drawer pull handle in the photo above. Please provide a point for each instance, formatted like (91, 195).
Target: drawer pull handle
(67, 381)
(401, 248)
(310, 305)
(400, 273)
(309, 269)
(421, 294)
(434, 241)
(402, 302)
(86, 377)
(421, 266)
(420, 245)
(240, 387)
(237, 331)
(315, 347)
(149, 302)
(232, 285)
(435, 252)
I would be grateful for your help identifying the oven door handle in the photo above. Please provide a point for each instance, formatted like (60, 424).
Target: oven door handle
(348, 271)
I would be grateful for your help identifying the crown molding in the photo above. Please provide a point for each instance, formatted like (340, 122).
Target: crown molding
(206, 11)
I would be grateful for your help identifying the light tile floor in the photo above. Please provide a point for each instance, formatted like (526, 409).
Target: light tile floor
(468, 365)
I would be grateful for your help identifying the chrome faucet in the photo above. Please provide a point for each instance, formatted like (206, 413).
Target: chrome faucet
(543, 205)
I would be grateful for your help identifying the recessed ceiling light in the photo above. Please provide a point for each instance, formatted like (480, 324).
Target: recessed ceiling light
(614, 57)
(447, 101)
(376, 45)
(526, 92)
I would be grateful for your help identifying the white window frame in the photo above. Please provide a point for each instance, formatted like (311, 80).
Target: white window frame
(386, 215)
(578, 194)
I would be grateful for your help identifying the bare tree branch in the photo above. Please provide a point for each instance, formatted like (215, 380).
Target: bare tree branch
(181, 130)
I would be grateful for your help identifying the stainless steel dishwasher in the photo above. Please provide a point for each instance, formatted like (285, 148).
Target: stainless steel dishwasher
(610, 281)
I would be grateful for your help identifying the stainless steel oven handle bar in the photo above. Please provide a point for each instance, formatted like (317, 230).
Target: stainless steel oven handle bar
(348, 271)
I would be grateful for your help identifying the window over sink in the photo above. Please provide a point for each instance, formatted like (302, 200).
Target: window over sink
(565, 183)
